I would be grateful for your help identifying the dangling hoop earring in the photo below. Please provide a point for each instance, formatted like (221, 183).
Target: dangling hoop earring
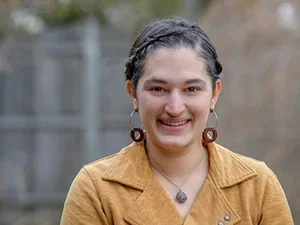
(205, 135)
(135, 129)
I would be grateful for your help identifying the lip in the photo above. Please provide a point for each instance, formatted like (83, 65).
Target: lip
(174, 123)
(178, 125)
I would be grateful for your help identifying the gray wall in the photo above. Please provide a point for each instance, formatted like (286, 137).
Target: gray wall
(42, 122)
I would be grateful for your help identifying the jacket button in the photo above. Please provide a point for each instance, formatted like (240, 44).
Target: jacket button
(227, 218)
(220, 223)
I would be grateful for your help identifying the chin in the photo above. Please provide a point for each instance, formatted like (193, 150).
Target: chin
(173, 142)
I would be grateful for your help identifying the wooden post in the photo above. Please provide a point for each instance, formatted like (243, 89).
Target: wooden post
(91, 91)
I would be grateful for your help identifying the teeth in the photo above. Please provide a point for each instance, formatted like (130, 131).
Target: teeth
(174, 124)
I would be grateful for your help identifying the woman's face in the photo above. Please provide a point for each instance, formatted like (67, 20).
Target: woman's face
(174, 96)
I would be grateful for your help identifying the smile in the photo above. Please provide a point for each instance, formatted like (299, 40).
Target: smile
(174, 124)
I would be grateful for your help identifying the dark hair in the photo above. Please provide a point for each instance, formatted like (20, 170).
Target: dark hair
(172, 33)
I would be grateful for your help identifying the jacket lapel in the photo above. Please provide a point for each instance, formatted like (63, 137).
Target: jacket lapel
(130, 168)
(154, 207)
(211, 206)
(228, 168)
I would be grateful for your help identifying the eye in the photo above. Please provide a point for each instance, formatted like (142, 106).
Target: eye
(156, 89)
(193, 89)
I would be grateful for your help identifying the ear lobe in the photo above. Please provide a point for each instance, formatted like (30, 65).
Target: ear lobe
(135, 104)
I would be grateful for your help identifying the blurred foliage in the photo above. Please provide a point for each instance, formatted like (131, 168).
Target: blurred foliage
(63, 14)
(72, 11)
(5, 25)
(164, 8)
(125, 14)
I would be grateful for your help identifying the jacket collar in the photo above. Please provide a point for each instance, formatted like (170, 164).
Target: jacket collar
(226, 167)
(131, 167)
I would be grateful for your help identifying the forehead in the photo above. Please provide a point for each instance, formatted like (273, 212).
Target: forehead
(174, 63)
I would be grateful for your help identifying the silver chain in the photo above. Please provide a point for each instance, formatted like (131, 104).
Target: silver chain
(178, 187)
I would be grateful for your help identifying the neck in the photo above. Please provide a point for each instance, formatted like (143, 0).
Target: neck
(176, 162)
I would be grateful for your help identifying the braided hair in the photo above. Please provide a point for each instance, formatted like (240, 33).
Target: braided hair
(174, 34)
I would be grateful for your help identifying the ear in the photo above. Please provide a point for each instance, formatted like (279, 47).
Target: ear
(216, 93)
(131, 93)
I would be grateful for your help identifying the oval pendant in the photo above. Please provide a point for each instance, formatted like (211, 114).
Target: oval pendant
(181, 196)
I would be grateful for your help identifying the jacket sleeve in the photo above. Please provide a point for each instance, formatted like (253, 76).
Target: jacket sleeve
(275, 208)
(83, 205)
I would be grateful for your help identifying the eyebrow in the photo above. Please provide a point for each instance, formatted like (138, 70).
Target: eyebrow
(161, 81)
(155, 80)
(195, 80)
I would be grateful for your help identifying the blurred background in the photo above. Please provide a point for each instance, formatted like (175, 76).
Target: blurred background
(63, 101)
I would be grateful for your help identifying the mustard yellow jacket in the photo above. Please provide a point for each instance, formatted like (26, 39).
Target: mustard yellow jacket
(121, 190)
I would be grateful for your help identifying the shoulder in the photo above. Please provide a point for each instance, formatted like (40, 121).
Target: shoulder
(117, 166)
(258, 165)
(98, 168)
(232, 168)
(249, 176)
(253, 182)
(88, 177)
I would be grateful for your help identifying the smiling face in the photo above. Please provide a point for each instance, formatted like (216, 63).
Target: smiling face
(174, 96)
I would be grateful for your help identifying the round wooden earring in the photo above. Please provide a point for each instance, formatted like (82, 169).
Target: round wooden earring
(207, 137)
(133, 131)
(214, 136)
(140, 137)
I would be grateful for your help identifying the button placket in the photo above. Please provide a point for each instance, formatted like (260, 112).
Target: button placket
(227, 218)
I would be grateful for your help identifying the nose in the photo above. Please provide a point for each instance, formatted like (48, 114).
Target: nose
(175, 104)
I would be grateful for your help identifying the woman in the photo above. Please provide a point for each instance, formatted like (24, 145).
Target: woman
(174, 173)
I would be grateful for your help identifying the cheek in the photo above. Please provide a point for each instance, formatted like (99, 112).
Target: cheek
(147, 105)
(200, 103)
(200, 110)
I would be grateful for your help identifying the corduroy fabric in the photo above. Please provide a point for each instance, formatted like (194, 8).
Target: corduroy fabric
(121, 190)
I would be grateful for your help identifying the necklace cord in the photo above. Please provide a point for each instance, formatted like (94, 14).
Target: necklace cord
(188, 176)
